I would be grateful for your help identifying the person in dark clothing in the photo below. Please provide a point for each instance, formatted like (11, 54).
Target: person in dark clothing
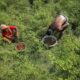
(58, 26)
(31, 2)
(46, 1)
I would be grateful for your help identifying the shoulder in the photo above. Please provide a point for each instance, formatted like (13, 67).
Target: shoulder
(12, 27)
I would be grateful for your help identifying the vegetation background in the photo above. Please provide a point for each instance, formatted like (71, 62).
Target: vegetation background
(32, 17)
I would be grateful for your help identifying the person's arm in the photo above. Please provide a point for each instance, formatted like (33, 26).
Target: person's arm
(15, 31)
(60, 35)
(8, 37)
(65, 25)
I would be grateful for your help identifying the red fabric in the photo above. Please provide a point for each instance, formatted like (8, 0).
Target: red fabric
(9, 33)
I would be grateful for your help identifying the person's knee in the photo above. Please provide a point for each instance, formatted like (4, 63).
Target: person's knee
(6, 40)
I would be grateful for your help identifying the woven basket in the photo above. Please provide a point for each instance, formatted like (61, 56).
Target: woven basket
(20, 47)
(49, 41)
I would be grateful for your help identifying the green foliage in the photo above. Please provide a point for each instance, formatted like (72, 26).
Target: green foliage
(36, 62)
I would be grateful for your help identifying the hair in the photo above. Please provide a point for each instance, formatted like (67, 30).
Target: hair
(3, 25)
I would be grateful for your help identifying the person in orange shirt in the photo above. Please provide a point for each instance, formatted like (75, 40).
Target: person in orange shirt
(9, 33)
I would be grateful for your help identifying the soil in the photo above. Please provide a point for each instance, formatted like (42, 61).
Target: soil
(49, 41)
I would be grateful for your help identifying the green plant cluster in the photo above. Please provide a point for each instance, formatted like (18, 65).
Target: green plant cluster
(32, 17)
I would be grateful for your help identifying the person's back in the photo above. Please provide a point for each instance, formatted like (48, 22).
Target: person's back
(59, 22)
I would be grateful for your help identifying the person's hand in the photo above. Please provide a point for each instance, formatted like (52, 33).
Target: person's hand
(67, 23)
(60, 27)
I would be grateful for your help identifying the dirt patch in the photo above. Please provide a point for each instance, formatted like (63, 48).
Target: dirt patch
(49, 41)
